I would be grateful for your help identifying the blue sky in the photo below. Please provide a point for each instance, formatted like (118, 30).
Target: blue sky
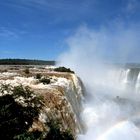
(38, 28)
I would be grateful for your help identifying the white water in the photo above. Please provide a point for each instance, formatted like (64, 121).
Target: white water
(112, 109)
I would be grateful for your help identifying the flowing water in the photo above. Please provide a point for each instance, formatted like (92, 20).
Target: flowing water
(112, 106)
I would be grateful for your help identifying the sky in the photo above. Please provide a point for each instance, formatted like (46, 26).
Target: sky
(39, 29)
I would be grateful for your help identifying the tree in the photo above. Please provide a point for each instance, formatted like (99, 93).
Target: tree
(63, 69)
(55, 133)
(16, 118)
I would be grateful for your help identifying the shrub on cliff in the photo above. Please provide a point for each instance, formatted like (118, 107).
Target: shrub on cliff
(26, 71)
(42, 79)
(55, 133)
(15, 119)
(17, 115)
(63, 69)
(45, 80)
(36, 135)
(38, 76)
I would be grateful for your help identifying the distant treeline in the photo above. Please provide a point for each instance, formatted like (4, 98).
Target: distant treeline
(25, 62)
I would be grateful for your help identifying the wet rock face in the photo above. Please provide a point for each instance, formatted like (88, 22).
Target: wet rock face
(61, 97)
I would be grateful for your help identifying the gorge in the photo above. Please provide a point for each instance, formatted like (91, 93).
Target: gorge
(112, 108)
(104, 106)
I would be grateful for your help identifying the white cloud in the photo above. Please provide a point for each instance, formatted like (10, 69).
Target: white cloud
(9, 33)
(4, 32)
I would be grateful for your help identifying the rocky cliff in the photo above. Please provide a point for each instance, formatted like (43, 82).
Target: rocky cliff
(61, 95)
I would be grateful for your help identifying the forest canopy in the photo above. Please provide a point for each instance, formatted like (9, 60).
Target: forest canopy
(25, 62)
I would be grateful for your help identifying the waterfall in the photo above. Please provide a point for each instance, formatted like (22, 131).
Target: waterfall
(112, 108)
(138, 84)
(124, 75)
(129, 79)
(62, 97)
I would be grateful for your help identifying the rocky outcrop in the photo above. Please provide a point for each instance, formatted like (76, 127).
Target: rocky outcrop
(62, 97)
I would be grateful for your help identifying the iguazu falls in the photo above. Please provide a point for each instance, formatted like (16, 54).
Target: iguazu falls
(112, 108)
(69, 70)
(104, 108)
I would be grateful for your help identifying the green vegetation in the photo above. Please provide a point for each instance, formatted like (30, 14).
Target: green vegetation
(63, 69)
(36, 135)
(38, 76)
(45, 80)
(26, 71)
(25, 62)
(17, 116)
(56, 134)
(15, 119)
(5, 87)
(41, 79)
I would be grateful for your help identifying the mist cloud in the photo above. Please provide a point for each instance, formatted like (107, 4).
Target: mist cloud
(90, 49)
(118, 44)
(106, 117)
